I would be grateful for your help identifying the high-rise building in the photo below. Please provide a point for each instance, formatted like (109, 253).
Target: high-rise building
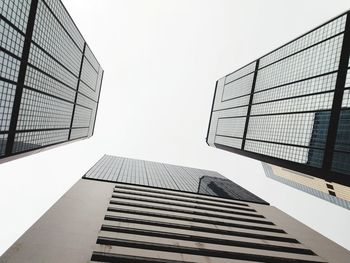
(133, 211)
(50, 80)
(332, 192)
(290, 107)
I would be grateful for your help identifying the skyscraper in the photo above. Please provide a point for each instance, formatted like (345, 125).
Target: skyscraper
(290, 107)
(50, 80)
(125, 210)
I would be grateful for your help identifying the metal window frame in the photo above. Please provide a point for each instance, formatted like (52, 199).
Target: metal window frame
(325, 172)
(20, 84)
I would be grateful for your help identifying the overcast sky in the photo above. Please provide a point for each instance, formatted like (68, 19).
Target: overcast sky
(161, 61)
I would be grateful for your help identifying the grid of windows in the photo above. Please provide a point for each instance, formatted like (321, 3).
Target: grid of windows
(316, 60)
(85, 101)
(310, 86)
(48, 101)
(82, 117)
(240, 73)
(330, 29)
(11, 46)
(229, 141)
(9, 67)
(11, 39)
(293, 129)
(238, 87)
(291, 95)
(88, 96)
(51, 36)
(159, 176)
(167, 176)
(89, 75)
(79, 133)
(62, 15)
(39, 111)
(234, 112)
(7, 94)
(42, 82)
(91, 57)
(133, 171)
(87, 91)
(228, 104)
(231, 102)
(182, 178)
(41, 60)
(286, 152)
(32, 140)
(233, 127)
(107, 168)
(300, 104)
(234, 103)
(16, 11)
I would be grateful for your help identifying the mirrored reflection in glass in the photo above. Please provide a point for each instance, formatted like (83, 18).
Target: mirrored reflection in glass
(167, 176)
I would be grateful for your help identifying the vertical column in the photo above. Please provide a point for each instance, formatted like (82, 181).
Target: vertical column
(21, 77)
(76, 92)
(250, 103)
(337, 102)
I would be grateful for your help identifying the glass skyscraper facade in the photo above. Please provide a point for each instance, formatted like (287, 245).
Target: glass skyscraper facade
(133, 211)
(167, 176)
(50, 80)
(290, 107)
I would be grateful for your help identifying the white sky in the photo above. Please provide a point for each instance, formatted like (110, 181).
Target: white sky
(161, 61)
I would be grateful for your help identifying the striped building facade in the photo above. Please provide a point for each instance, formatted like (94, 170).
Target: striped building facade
(125, 210)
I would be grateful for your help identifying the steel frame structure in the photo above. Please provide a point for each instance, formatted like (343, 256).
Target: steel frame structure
(29, 42)
(325, 172)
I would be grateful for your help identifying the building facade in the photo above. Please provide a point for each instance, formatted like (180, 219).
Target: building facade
(290, 108)
(332, 192)
(125, 210)
(50, 80)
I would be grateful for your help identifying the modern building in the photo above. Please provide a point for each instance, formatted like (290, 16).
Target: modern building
(50, 80)
(290, 107)
(331, 192)
(125, 210)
